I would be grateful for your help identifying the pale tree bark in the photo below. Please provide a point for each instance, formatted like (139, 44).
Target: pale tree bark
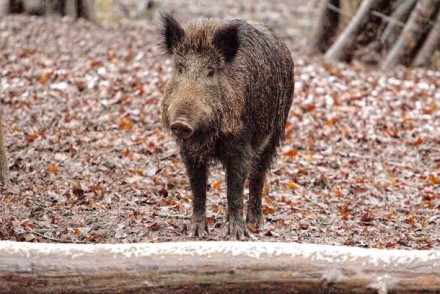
(347, 8)
(72, 8)
(400, 16)
(33, 6)
(3, 160)
(87, 10)
(4, 7)
(339, 49)
(431, 44)
(216, 267)
(325, 26)
(53, 7)
(411, 34)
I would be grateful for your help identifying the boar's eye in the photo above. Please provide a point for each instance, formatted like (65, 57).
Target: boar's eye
(210, 72)
(179, 68)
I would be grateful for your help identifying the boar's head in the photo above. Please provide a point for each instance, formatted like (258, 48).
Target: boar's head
(200, 99)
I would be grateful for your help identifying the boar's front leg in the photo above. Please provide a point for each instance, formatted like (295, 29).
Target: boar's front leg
(198, 175)
(236, 173)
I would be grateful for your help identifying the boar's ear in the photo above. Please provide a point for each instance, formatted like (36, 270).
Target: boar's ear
(172, 33)
(227, 41)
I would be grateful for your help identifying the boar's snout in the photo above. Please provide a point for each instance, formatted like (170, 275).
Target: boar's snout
(181, 129)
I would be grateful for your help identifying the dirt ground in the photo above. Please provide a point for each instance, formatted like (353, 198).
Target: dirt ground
(89, 162)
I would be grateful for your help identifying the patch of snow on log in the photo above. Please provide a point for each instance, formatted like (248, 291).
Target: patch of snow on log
(314, 252)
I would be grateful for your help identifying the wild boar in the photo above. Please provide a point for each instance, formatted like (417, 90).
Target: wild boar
(227, 101)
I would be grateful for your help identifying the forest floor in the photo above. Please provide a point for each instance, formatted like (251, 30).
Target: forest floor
(89, 161)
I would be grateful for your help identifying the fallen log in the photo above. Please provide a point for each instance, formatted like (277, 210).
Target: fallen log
(411, 34)
(214, 267)
(400, 15)
(431, 44)
(339, 49)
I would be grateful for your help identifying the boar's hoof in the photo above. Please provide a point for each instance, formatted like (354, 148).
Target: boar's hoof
(254, 219)
(181, 129)
(236, 227)
(199, 227)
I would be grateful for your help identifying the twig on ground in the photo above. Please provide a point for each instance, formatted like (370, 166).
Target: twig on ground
(55, 239)
(180, 216)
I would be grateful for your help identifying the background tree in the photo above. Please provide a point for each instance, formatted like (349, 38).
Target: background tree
(386, 33)
(72, 8)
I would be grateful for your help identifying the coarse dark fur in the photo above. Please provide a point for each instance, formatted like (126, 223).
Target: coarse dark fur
(229, 96)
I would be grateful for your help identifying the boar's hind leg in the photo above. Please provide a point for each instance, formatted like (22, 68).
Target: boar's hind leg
(257, 176)
(198, 175)
(236, 173)
(254, 216)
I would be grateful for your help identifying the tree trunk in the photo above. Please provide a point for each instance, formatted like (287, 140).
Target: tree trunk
(4, 7)
(432, 43)
(400, 15)
(411, 34)
(33, 6)
(347, 9)
(216, 267)
(53, 7)
(71, 8)
(325, 27)
(339, 49)
(3, 160)
(87, 10)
